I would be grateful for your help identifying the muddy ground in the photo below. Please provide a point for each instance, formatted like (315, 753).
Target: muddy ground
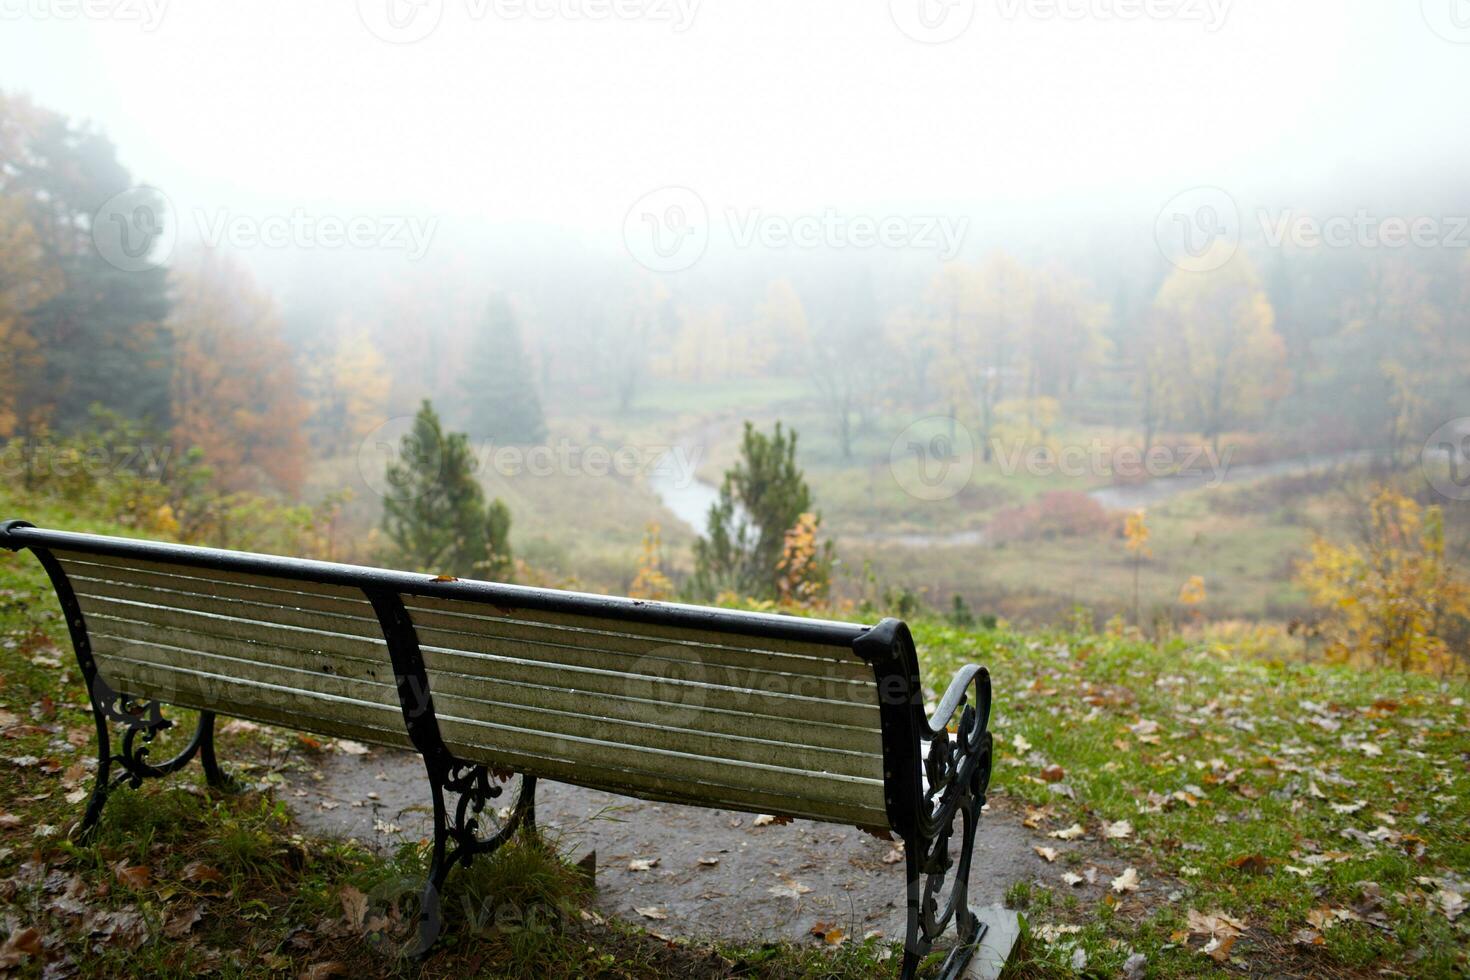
(714, 872)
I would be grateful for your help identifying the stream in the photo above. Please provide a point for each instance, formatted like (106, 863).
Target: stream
(690, 500)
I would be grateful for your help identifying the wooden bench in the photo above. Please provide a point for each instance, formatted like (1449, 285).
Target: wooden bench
(711, 707)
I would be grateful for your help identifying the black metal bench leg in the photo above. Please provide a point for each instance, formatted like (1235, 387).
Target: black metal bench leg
(100, 785)
(456, 833)
(213, 774)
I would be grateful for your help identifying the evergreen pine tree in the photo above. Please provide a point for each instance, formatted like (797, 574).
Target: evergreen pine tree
(436, 516)
(762, 497)
(500, 396)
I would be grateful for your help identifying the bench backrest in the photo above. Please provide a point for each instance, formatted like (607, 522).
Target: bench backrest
(740, 710)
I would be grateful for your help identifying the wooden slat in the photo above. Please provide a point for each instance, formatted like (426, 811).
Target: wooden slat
(237, 698)
(125, 569)
(731, 641)
(663, 663)
(627, 708)
(319, 642)
(673, 735)
(738, 652)
(679, 696)
(282, 649)
(652, 787)
(83, 577)
(740, 780)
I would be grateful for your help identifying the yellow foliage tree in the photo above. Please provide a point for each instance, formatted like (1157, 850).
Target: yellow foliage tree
(1393, 598)
(650, 582)
(805, 566)
(1223, 346)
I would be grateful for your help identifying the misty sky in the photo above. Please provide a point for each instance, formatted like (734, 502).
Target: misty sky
(566, 121)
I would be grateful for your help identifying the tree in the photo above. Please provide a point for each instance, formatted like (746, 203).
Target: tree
(435, 516)
(235, 391)
(762, 498)
(499, 388)
(97, 335)
(1225, 348)
(1395, 597)
(25, 281)
(349, 384)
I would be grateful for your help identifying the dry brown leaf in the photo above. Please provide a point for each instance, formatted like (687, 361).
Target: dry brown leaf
(652, 912)
(136, 876)
(1071, 833)
(199, 871)
(182, 922)
(1118, 831)
(1218, 948)
(324, 970)
(1053, 773)
(644, 864)
(766, 820)
(1047, 854)
(354, 906)
(22, 943)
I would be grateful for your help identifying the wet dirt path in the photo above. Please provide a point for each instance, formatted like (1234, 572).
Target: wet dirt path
(714, 872)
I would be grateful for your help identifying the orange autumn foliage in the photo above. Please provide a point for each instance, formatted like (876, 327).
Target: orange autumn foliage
(236, 395)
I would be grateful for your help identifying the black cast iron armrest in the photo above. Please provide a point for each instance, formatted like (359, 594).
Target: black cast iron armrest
(957, 695)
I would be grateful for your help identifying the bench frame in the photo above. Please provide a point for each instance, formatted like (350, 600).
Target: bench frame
(932, 775)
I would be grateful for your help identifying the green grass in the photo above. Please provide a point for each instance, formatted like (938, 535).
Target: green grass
(1257, 836)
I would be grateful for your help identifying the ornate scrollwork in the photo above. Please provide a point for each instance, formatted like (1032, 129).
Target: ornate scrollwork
(139, 717)
(957, 773)
(475, 789)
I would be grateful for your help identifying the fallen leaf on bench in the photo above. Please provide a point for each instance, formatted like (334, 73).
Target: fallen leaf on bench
(652, 912)
(1126, 882)
(1071, 833)
(1047, 854)
(349, 747)
(445, 578)
(643, 864)
(1118, 831)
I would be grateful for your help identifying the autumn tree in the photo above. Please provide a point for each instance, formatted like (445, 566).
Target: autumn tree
(236, 395)
(1394, 596)
(762, 497)
(348, 383)
(26, 280)
(435, 515)
(1224, 348)
(93, 334)
(499, 387)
